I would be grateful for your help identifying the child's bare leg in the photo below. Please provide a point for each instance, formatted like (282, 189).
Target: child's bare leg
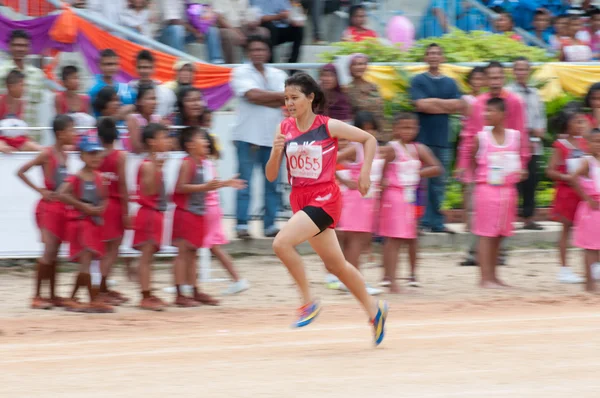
(413, 245)
(591, 257)
(131, 271)
(485, 253)
(356, 243)
(30, 146)
(145, 268)
(85, 259)
(391, 247)
(563, 242)
(496, 259)
(179, 267)
(226, 260)
(106, 265)
(47, 267)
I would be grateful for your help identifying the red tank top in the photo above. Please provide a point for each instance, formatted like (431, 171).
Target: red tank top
(63, 106)
(6, 113)
(311, 156)
(109, 170)
(192, 202)
(55, 173)
(157, 201)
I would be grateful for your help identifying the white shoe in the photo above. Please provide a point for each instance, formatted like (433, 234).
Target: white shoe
(330, 278)
(111, 283)
(237, 287)
(566, 275)
(373, 291)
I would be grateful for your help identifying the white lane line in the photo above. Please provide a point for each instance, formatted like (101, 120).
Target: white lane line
(283, 330)
(286, 344)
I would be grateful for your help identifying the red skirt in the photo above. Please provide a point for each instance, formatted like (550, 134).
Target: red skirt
(113, 221)
(52, 216)
(188, 227)
(326, 196)
(565, 204)
(84, 235)
(15, 142)
(148, 227)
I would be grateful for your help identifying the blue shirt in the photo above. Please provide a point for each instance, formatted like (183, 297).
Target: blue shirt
(434, 129)
(124, 92)
(467, 19)
(525, 10)
(273, 7)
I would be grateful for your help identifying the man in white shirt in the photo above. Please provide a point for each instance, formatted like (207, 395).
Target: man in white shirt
(260, 92)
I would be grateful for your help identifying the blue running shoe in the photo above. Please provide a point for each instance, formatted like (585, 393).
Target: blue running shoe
(379, 321)
(308, 313)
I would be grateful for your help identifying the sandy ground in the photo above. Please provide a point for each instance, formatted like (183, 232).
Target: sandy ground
(445, 339)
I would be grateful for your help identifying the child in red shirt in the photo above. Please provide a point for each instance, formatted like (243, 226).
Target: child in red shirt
(357, 30)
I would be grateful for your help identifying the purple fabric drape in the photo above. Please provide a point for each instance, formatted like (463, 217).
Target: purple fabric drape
(37, 29)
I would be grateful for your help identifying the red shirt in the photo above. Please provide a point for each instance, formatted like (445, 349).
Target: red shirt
(357, 35)
(568, 151)
(109, 170)
(63, 107)
(192, 202)
(311, 156)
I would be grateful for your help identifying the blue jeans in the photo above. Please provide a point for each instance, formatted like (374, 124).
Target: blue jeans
(249, 156)
(436, 189)
(176, 37)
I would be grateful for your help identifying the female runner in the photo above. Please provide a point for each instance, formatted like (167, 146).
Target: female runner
(310, 143)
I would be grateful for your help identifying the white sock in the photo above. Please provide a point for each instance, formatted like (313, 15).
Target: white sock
(95, 272)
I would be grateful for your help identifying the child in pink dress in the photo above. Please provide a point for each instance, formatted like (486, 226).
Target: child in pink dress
(214, 236)
(586, 182)
(406, 162)
(565, 161)
(498, 170)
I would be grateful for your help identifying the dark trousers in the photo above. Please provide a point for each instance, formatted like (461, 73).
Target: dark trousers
(290, 33)
(527, 188)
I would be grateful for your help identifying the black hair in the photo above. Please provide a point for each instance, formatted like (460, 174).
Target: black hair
(562, 120)
(108, 53)
(257, 39)
(497, 103)
(14, 76)
(353, 10)
(142, 91)
(363, 117)
(405, 116)
(588, 97)
(68, 71)
(472, 72)
(206, 114)
(144, 55)
(61, 123)
(104, 96)
(187, 135)
(595, 131)
(184, 92)
(507, 15)
(107, 130)
(497, 9)
(432, 45)
(18, 34)
(494, 64)
(212, 144)
(521, 58)
(538, 13)
(151, 130)
(308, 86)
(561, 16)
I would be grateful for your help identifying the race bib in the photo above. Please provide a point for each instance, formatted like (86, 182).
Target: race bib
(305, 161)
(573, 165)
(408, 172)
(410, 194)
(496, 169)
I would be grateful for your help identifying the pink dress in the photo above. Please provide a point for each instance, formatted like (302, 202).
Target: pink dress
(213, 215)
(587, 221)
(358, 212)
(497, 174)
(398, 216)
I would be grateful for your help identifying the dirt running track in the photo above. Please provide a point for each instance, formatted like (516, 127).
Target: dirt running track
(446, 339)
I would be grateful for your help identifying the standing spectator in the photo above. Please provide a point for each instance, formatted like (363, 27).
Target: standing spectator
(236, 21)
(357, 28)
(594, 30)
(572, 49)
(202, 26)
(436, 97)
(137, 17)
(365, 96)
(337, 103)
(109, 66)
(260, 92)
(110, 11)
(592, 102)
(19, 47)
(145, 66)
(536, 124)
(317, 9)
(276, 18)
(541, 23)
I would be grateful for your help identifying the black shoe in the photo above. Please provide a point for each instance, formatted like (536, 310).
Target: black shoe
(443, 230)
(533, 226)
(272, 234)
(469, 263)
(244, 235)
